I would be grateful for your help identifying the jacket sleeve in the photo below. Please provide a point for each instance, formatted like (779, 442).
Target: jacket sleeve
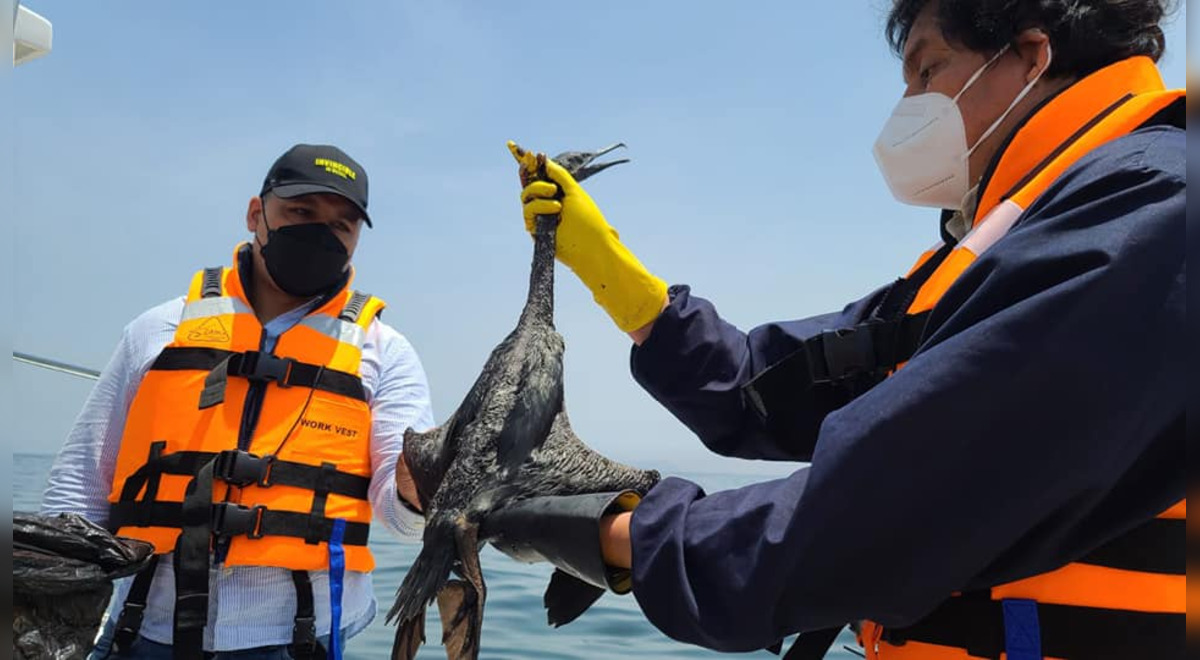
(1043, 417)
(695, 364)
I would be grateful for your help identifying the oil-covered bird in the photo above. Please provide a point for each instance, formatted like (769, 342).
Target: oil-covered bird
(506, 451)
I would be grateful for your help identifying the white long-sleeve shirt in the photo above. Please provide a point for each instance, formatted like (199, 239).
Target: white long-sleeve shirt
(249, 606)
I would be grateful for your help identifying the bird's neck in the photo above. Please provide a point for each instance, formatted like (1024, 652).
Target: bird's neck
(539, 306)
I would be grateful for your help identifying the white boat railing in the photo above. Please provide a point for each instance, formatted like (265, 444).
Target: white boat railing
(55, 365)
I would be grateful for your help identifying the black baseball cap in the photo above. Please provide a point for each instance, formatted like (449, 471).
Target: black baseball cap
(318, 168)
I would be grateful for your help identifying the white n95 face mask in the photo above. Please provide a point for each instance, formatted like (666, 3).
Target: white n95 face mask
(922, 150)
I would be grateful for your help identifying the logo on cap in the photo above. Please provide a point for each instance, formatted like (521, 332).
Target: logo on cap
(334, 167)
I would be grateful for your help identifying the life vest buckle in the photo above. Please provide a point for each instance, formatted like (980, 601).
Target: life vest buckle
(229, 519)
(848, 352)
(128, 625)
(304, 636)
(263, 367)
(241, 468)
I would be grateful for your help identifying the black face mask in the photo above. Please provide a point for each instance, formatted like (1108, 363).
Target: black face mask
(304, 260)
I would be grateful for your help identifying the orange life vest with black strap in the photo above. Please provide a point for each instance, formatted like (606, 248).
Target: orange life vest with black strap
(260, 457)
(1123, 597)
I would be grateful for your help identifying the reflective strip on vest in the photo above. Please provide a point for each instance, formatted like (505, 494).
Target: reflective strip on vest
(214, 307)
(335, 328)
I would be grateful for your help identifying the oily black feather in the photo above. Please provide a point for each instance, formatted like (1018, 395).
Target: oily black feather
(567, 597)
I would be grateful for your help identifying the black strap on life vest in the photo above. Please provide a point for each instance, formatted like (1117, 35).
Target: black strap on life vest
(838, 365)
(152, 480)
(304, 644)
(321, 489)
(1158, 546)
(976, 623)
(202, 521)
(129, 623)
(241, 468)
(228, 519)
(136, 506)
(255, 366)
(192, 560)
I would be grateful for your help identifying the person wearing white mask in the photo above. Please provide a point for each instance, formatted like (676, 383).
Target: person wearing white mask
(996, 439)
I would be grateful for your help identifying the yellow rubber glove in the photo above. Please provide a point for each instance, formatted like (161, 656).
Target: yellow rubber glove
(586, 244)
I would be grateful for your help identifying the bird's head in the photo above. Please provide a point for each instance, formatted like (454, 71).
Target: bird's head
(582, 164)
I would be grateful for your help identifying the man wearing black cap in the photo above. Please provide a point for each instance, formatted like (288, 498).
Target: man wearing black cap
(306, 222)
(249, 430)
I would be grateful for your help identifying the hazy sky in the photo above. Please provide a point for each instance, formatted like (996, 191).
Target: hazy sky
(141, 137)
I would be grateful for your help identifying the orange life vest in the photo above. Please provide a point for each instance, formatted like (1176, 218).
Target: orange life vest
(1127, 585)
(286, 434)
(261, 457)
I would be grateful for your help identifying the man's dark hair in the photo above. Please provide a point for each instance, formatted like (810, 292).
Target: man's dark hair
(1087, 35)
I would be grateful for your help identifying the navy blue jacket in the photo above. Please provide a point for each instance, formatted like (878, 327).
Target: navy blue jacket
(1043, 416)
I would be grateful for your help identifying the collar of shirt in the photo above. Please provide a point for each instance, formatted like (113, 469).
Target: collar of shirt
(960, 222)
(280, 324)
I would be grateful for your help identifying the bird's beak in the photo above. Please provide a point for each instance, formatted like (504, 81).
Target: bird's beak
(590, 167)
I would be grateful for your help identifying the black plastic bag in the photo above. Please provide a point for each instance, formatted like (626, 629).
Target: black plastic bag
(63, 568)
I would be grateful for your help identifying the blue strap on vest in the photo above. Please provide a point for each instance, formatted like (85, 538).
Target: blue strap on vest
(337, 574)
(1022, 632)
